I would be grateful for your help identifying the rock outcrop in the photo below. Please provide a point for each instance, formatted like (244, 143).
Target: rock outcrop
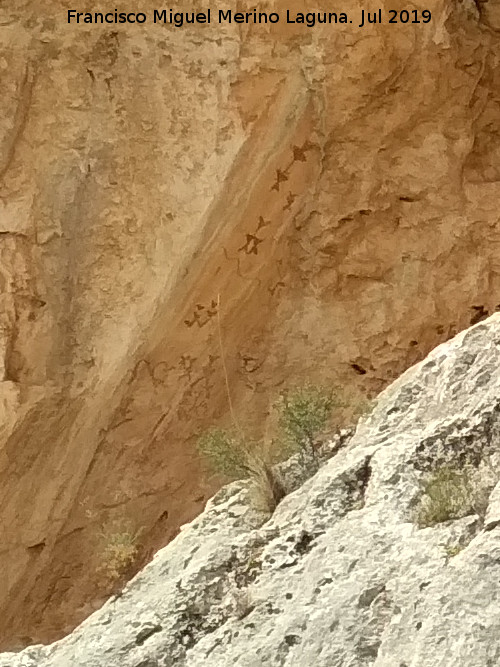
(340, 574)
(328, 194)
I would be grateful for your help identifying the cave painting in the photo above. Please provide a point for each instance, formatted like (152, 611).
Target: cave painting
(276, 287)
(251, 245)
(281, 177)
(200, 380)
(262, 223)
(201, 314)
(291, 197)
(299, 155)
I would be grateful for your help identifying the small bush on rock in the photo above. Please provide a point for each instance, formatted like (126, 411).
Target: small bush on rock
(303, 416)
(225, 453)
(119, 549)
(233, 458)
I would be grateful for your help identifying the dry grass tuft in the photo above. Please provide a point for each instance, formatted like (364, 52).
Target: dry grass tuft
(232, 457)
(452, 493)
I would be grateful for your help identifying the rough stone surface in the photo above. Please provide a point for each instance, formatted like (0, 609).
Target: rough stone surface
(340, 575)
(332, 192)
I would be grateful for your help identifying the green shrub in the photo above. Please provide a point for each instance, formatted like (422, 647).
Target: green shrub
(225, 453)
(450, 493)
(303, 416)
(231, 457)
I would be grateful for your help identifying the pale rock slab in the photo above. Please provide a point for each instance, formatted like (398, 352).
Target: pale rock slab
(339, 575)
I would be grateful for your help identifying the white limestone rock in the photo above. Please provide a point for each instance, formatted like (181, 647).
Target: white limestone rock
(340, 575)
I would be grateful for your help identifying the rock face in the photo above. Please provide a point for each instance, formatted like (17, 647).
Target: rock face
(326, 198)
(340, 574)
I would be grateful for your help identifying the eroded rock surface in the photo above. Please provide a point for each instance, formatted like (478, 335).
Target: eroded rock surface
(331, 194)
(340, 575)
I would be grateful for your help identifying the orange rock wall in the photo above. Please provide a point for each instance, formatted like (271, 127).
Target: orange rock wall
(329, 196)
